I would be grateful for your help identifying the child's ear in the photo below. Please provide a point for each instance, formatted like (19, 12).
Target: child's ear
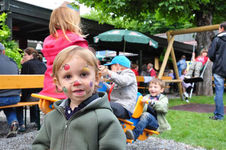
(58, 86)
(162, 90)
(97, 80)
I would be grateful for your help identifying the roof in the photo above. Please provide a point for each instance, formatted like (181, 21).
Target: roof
(32, 22)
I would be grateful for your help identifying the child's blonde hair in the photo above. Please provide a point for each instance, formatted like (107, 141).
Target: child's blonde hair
(157, 81)
(68, 53)
(66, 19)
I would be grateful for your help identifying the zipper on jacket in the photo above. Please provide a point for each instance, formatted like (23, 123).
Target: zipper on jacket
(67, 123)
(64, 144)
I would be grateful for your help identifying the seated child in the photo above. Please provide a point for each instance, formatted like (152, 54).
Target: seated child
(186, 86)
(197, 64)
(123, 96)
(84, 120)
(155, 109)
(173, 86)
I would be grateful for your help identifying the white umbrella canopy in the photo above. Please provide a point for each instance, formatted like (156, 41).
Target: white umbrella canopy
(108, 53)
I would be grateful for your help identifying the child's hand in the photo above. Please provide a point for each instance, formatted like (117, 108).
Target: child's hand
(145, 100)
(101, 67)
(103, 70)
(148, 101)
(152, 102)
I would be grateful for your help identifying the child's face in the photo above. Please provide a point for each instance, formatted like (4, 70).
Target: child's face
(115, 67)
(155, 89)
(204, 54)
(184, 72)
(77, 79)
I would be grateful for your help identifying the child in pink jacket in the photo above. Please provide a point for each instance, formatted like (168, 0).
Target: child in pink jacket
(197, 64)
(64, 31)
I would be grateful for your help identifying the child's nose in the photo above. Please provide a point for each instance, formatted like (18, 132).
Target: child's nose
(76, 83)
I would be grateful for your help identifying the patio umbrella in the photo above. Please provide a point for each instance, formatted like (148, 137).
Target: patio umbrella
(101, 55)
(125, 36)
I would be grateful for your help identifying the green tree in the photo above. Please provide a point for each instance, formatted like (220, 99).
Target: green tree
(151, 25)
(11, 47)
(173, 13)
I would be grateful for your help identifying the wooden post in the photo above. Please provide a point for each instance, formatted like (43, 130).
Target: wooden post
(170, 50)
(156, 63)
(195, 29)
(166, 57)
(175, 67)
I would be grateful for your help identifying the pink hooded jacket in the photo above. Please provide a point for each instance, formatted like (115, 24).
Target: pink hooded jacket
(51, 47)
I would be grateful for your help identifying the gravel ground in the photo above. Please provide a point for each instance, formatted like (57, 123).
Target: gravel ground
(23, 141)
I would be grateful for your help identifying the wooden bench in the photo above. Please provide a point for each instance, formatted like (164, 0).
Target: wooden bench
(166, 79)
(22, 82)
(36, 81)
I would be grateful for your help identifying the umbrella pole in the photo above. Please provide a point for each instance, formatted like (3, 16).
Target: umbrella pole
(124, 46)
(140, 60)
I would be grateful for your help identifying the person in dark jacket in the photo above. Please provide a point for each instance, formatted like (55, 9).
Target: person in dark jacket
(217, 54)
(9, 97)
(31, 64)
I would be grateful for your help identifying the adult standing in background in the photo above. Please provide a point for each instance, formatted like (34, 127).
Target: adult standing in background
(32, 64)
(9, 97)
(181, 64)
(217, 54)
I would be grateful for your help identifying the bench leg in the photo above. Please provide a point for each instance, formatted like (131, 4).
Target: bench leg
(25, 116)
(38, 118)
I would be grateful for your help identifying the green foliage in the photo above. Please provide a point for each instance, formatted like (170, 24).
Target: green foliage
(76, 6)
(161, 57)
(157, 14)
(150, 25)
(11, 47)
(195, 128)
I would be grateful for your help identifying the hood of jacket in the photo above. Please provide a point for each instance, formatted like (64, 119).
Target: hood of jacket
(222, 36)
(100, 103)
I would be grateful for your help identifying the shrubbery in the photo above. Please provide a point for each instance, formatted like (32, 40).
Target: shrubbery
(11, 47)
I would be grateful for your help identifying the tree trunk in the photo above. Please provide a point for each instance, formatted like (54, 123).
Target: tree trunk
(203, 41)
(205, 87)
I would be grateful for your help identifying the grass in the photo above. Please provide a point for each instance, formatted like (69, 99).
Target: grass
(196, 128)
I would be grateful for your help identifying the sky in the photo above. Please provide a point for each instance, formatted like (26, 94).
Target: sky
(52, 4)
